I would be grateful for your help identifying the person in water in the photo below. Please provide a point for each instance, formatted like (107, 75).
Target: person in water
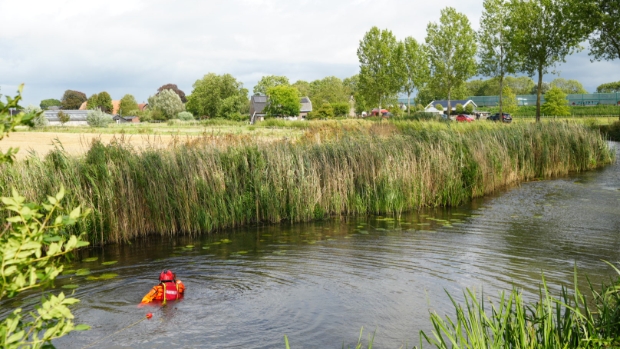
(169, 289)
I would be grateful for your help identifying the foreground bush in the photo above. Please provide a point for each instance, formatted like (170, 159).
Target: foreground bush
(33, 238)
(185, 116)
(387, 168)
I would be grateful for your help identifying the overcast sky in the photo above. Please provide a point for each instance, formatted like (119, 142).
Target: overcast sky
(135, 46)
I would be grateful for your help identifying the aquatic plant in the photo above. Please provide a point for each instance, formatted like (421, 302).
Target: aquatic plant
(335, 168)
(570, 321)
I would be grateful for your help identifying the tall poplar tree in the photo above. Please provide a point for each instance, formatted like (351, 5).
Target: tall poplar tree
(497, 57)
(543, 33)
(416, 69)
(380, 74)
(451, 46)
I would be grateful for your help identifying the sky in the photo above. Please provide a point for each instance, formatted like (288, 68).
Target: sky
(136, 46)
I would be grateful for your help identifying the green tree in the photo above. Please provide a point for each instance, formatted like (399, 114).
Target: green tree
(544, 88)
(283, 101)
(128, 105)
(556, 103)
(476, 87)
(176, 90)
(469, 109)
(269, 81)
(439, 107)
(168, 103)
(602, 18)
(543, 33)
(380, 76)
(217, 96)
(609, 87)
(93, 102)
(451, 48)
(497, 57)
(521, 85)
(303, 87)
(328, 90)
(72, 100)
(104, 102)
(32, 242)
(510, 100)
(46, 103)
(416, 68)
(569, 86)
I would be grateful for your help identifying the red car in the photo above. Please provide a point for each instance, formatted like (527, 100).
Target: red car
(464, 118)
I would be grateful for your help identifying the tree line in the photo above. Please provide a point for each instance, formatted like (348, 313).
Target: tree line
(515, 36)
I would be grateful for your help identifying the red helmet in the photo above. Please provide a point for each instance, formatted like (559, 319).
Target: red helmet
(166, 275)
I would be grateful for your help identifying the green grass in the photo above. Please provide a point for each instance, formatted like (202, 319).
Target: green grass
(336, 168)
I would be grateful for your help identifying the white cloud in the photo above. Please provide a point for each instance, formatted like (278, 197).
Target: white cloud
(135, 46)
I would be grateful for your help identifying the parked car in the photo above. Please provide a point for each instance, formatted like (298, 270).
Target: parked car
(505, 117)
(464, 118)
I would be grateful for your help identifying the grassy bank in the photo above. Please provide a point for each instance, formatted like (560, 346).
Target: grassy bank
(195, 187)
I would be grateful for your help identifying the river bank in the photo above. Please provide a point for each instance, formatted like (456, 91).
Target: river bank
(389, 168)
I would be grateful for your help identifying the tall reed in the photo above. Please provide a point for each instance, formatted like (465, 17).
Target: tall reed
(570, 321)
(194, 187)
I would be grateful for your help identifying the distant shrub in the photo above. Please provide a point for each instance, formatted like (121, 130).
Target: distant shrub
(97, 118)
(439, 107)
(63, 117)
(145, 115)
(326, 111)
(469, 109)
(341, 109)
(185, 116)
(157, 115)
(239, 117)
(396, 111)
(459, 108)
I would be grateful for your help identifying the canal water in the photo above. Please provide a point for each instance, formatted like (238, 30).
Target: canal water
(321, 283)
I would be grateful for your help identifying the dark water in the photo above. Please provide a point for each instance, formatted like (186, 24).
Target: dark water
(321, 283)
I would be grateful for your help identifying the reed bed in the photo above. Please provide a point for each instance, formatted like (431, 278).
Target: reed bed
(335, 169)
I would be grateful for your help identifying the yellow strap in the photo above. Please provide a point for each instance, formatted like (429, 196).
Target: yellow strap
(164, 303)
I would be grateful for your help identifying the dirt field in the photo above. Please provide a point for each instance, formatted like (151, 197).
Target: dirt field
(74, 143)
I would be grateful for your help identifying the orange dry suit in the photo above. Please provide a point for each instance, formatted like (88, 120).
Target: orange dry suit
(165, 291)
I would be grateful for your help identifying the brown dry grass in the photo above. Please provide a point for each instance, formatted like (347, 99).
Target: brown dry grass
(78, 143)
